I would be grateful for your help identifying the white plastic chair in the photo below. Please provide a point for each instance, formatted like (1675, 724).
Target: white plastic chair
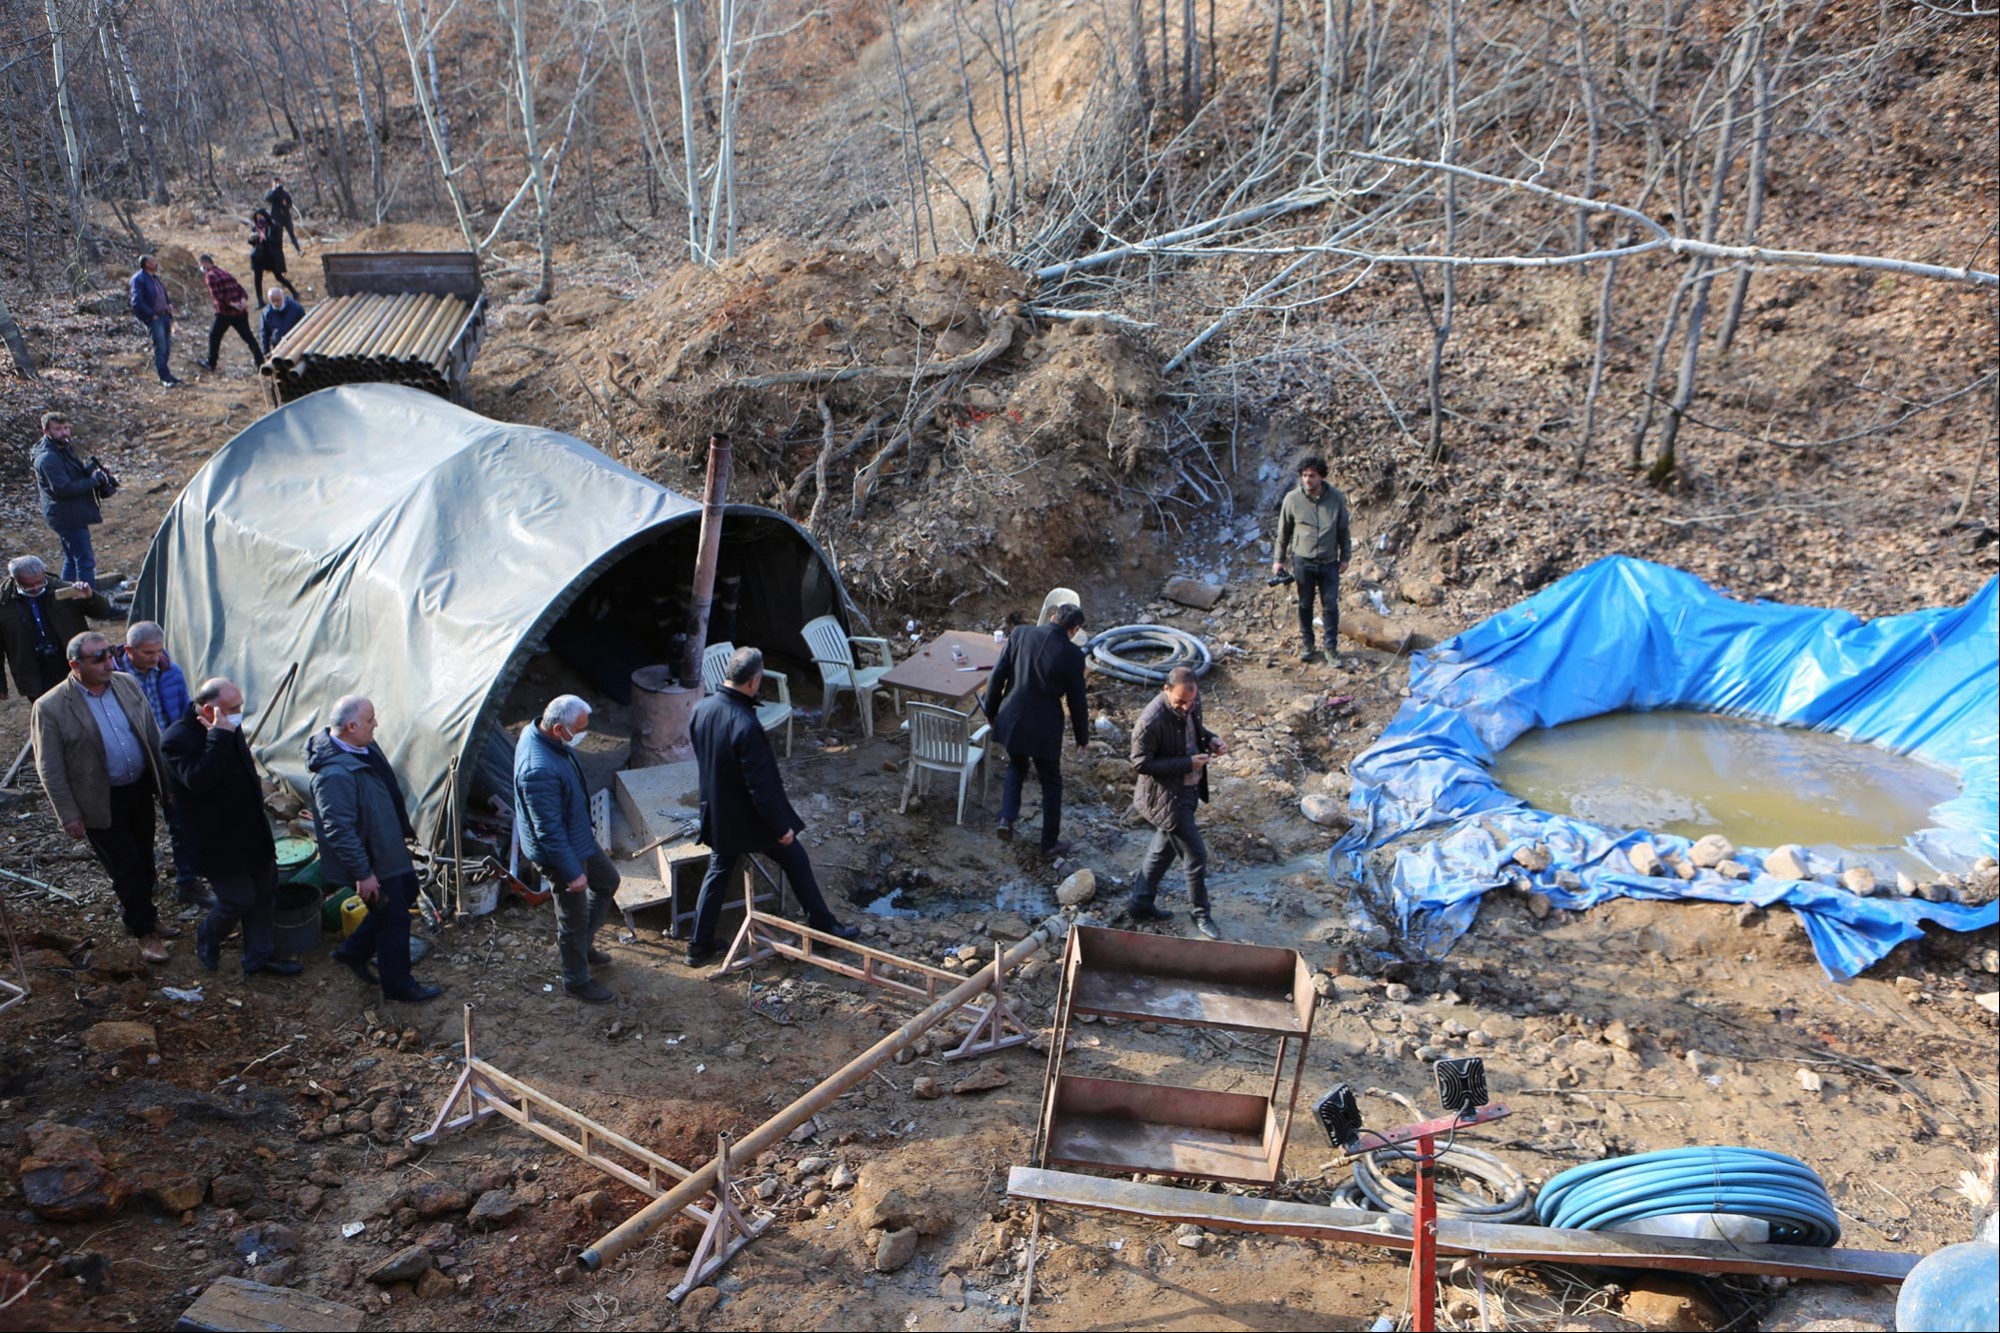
(833, 653)
(943, 740)
(771, 716)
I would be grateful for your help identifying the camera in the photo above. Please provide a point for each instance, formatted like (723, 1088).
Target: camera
(102, 480)
(1279, 580)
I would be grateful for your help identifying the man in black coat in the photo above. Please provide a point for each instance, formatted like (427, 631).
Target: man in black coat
(1171, 749)
(1039, 669)
(214, 785)
(743, 805)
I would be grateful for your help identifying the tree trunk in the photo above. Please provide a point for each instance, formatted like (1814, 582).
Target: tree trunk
(145, 130)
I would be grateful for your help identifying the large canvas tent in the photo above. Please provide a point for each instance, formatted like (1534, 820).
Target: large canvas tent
(378, 540)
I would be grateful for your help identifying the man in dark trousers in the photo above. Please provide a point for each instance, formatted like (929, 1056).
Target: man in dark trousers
(267, 254)
(38, 617)
(281, 315)
(743, 805)
(232, 311)
(69, 488)
(226, 833)
(97, 750)
(279, 200)
(1313, 537)
(152, 307)
(1039, 670)
(553, 808)
(364, 835)
(1170, 753)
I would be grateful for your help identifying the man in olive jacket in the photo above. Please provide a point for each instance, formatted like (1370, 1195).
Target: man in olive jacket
(1038, 671)
(97, 750)
(743, 805)
(1313, 535)
(224, 830)
(1170, 753)
(364, 835)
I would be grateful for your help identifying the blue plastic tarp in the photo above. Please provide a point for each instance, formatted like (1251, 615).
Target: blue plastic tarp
(1624, 634)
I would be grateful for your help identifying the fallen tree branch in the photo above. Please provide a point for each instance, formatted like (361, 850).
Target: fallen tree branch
(1662, 239)
(864, 480)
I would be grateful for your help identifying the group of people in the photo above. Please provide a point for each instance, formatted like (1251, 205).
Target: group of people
(153, 306)
(116, 730)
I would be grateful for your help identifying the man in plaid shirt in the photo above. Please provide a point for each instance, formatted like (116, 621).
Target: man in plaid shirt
(232, 311)
(144, 658)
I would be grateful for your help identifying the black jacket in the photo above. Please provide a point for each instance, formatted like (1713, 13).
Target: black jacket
(67, 485)
(268, 253)
(1161, 758)
(743, 803)
(215, 785)
(1038, 669)
(35, 674)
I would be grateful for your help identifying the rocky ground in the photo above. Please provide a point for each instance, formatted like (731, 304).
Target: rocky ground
(261, 1129)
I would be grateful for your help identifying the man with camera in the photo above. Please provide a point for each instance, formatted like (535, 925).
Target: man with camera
(1313, 534)
(70, 489)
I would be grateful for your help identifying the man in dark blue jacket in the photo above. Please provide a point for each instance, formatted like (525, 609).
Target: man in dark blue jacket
(152, 307)
(1039, 670)
(743, 805)
(220, 802)
(282, 314)
(552, 807)
(68, 487)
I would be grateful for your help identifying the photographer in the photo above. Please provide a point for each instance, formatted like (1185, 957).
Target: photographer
(70, 489)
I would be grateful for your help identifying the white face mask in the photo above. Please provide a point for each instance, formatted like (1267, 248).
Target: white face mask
(576, 738)
(236, 719)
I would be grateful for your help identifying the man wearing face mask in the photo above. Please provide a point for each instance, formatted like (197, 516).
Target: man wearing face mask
(226, 833)
(552, 809)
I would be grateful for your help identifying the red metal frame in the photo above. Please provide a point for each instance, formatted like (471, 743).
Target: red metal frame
(1423, 1252)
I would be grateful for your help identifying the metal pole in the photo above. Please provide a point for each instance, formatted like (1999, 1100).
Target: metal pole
(1423, 1254)
(714, 495)
(634, 1228)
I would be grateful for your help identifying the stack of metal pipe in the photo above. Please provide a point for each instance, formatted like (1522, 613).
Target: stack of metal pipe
(371, 338)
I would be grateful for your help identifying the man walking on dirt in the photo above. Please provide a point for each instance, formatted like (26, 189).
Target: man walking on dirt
(38, 617)
(553, 806)
(1313, 536)
(743, 805)
(220, 801)
(1170, 753)
(152, 307)
(232, 311)
(282, 314)
(279, 200)
(97, 750)
(69, 488)
(364, 836)
(1038, 671)
(144, 658)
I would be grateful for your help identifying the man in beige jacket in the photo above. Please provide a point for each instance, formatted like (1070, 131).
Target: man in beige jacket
(97, 749)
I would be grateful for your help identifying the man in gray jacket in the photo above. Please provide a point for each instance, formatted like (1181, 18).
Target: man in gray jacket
(1313, 535)
(1170, 753)
(552, 806)
(364, 835)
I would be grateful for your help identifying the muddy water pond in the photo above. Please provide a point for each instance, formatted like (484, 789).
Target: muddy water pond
(1758, 785)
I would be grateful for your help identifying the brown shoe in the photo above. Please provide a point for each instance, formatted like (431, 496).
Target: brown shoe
(167, 932)
(152, 950)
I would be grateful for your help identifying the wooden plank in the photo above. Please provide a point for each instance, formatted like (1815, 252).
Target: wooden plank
(1491, 1240)
(231, 1303)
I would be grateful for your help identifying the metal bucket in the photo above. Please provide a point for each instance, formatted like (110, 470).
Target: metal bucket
(295, 927)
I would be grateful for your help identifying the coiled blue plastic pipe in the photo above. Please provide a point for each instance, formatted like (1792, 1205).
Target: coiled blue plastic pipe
(1746, 1181)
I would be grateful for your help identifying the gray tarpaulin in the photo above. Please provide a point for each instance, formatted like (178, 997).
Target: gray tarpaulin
(388, 543)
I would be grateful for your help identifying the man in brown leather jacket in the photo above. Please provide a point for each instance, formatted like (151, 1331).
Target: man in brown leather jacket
(1170, 753)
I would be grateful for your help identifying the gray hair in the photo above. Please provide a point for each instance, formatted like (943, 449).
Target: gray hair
(81, 644)
(745, 665)
(564, 710)
(212, 688)
(143, 632)
(347, 710)
(1180, 676)
(25, 564)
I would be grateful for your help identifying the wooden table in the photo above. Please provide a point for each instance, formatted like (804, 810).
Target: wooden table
(930, 670)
